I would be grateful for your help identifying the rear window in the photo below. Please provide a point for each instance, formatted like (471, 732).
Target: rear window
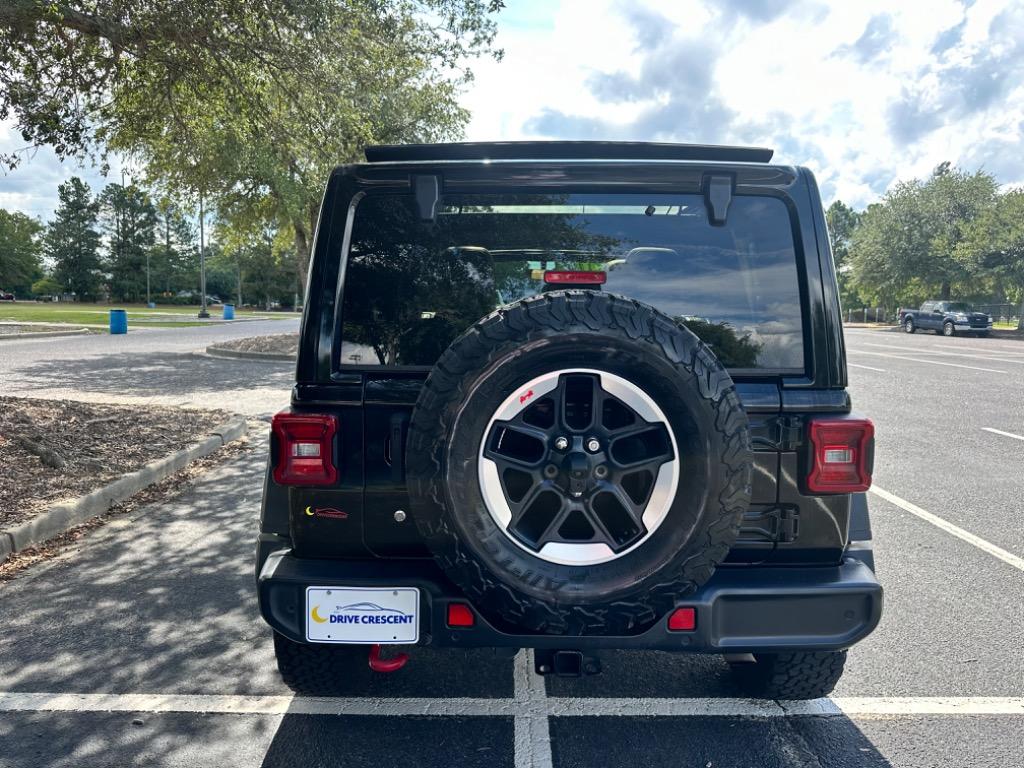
(412, 286)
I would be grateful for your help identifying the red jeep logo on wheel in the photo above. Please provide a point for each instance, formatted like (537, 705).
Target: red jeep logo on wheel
(527, 396)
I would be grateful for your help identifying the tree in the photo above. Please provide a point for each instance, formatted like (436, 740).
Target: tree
(174, 260)
(20, 252)
(73, 242)
(995, 242)
(129, 220)
(905, 249)
(842, 220)
(249, 104)
(46, 286)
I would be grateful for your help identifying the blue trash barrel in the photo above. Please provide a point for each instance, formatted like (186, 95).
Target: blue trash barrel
(229, 311)
(118, 321)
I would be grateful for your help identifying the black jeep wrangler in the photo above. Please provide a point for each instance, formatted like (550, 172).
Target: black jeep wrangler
(570, 396)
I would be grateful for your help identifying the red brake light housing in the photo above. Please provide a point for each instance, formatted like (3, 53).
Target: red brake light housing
(305, 449)
(460, 615)
(843, 455)
(682, 620)
(573, 277)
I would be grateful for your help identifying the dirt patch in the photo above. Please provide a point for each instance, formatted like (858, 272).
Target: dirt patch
(58, 450)
(275, 344)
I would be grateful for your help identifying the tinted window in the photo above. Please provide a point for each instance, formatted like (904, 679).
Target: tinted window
(412, 286)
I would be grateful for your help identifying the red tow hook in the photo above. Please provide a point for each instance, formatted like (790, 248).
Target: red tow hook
(377, 664)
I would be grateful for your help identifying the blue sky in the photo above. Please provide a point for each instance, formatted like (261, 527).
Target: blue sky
(864, 93)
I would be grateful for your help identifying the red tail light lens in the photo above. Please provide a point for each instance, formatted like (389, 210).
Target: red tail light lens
(566, 277)
(682, 620)
(460, 615)
(843, 455)
(305, 449)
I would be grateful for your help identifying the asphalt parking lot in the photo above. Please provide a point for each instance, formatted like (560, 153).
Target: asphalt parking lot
(143, 646)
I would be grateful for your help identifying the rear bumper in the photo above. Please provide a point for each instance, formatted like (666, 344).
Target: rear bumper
(740, 610)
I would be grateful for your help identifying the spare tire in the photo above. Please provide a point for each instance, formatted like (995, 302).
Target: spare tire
(577, 462)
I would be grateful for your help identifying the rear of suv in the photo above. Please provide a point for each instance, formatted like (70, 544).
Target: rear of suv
(573, 397)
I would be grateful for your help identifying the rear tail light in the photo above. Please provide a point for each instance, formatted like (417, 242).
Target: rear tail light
(682, 620)
(566, 277)
(843, 455)
(305, 449)
(460, 615)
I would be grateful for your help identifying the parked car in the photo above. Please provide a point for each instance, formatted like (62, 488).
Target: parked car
(507, 431)
(5, 296)
(950, 318)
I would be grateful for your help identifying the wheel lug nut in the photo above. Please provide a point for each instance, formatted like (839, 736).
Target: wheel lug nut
(561, 443)
(601, 471)
(550, 471)
(593, 445)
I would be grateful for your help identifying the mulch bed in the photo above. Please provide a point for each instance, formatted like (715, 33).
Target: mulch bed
(278, 344)
(58, 450)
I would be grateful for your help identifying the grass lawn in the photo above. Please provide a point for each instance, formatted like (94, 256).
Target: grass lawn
(1007, 326)
(98, 314)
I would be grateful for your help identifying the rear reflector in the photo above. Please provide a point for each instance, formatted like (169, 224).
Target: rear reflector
(305, 449)
(843, 455)
(564, 277)
(460, 615)
(683, 620)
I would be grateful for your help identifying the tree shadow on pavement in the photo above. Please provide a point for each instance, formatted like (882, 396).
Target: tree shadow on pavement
(165, 602)
(149, 374)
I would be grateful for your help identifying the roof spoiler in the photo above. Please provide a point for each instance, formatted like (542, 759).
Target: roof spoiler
(564, 150)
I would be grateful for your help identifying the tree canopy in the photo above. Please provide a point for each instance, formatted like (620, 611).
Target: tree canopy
(248, 103)
(72, 240)
(20, 252)
(905, 248)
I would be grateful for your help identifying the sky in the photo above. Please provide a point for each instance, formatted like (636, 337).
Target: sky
(864, 93)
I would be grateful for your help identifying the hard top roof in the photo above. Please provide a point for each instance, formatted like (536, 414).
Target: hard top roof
(564, 150)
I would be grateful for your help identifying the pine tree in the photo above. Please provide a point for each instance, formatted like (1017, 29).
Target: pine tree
(129, 219)
(72, 241)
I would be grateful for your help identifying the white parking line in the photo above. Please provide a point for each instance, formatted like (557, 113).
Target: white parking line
(532, 737)
(539, 709)
(930, 362)
(948, 527)
(868, 367)
(931, 351)
(1004, 434)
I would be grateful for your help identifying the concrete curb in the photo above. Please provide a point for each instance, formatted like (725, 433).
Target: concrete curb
(239, 354)
(62, 517)
(41, 335)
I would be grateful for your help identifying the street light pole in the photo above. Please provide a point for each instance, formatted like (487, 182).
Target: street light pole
(203, 313)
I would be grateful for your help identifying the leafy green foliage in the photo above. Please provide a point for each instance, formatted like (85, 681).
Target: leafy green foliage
(905, 248)
(994, 243)
(46, 286)
(250, 104)
(20, 252)
(73, 242)
(129, 220)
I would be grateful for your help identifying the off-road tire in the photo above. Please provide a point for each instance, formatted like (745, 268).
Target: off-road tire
(510, 585)
(791, 676)
(317, 669)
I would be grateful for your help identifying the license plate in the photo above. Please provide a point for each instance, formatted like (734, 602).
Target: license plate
(363, 615)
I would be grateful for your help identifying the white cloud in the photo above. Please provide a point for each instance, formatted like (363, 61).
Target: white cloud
(863, 93)
(32, 187)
